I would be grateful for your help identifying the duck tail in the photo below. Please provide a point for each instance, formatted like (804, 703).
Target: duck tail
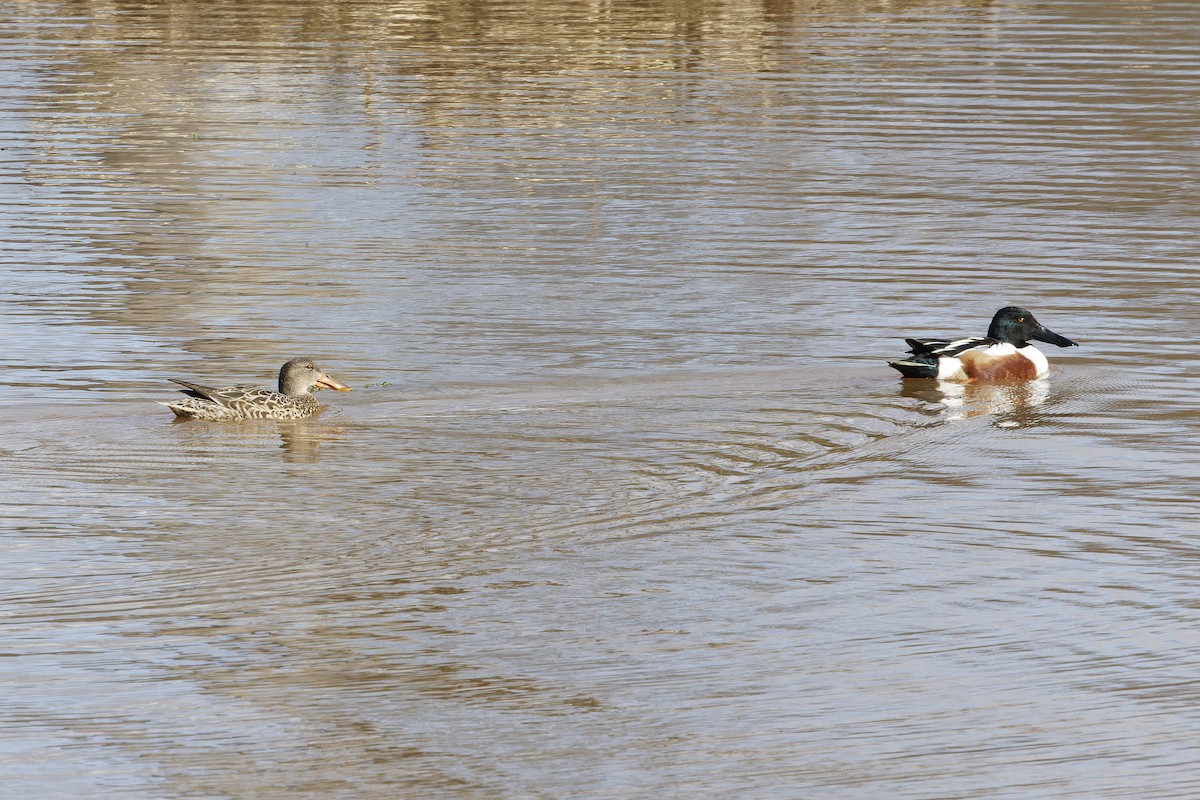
(914, 369)
(180, 411)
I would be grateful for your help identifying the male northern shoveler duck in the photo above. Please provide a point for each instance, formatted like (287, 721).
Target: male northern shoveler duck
(1005, 354)
(294, 400)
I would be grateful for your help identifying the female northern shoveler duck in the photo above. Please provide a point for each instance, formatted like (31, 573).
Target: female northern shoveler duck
(294, 400)
(1005, 354)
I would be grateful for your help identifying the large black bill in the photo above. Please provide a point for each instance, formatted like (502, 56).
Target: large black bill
(1049, 336)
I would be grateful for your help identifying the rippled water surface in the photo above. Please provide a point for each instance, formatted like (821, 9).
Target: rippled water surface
(626, 502)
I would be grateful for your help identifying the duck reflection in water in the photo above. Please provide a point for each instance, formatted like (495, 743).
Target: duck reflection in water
(1012, 405)
(298, 441)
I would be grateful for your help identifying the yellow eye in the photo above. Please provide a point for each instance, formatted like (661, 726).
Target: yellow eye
(1020, 319)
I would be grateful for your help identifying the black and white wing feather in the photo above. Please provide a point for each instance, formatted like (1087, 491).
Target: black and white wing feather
(941, 348)
(925, 354)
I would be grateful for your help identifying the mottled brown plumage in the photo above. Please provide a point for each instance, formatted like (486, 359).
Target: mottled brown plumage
(298, 379)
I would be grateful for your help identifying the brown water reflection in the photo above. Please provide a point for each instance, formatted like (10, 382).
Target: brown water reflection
(630, 503)
(299, 440)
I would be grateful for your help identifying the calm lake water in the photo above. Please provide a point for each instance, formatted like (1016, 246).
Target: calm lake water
(626, 502)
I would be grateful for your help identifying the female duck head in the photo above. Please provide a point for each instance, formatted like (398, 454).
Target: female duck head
(302, 375)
